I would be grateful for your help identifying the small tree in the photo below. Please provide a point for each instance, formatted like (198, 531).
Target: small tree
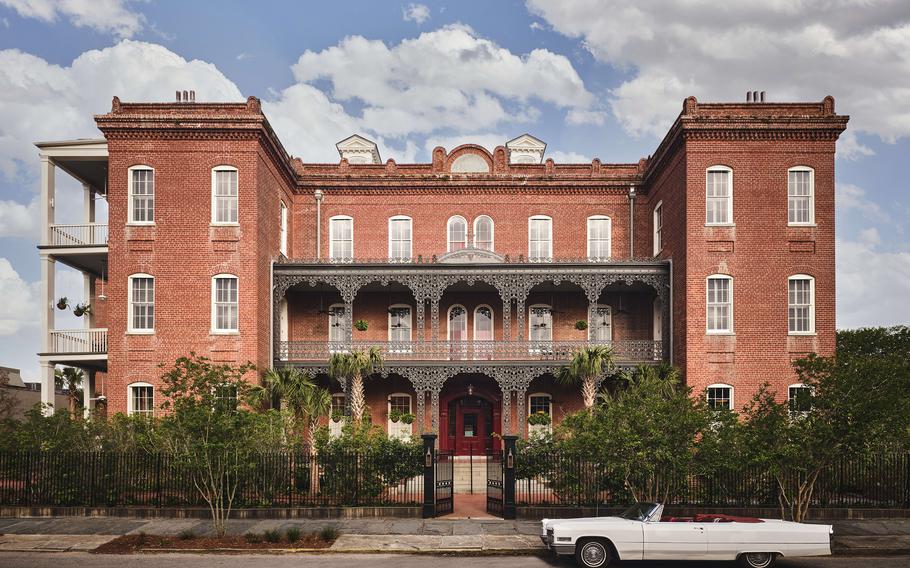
(315, 405)
(289, 386)
(588, 364)
(353, 367)
(208, 436)
(70, 378)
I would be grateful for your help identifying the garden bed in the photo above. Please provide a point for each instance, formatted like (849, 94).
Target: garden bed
(268, 541)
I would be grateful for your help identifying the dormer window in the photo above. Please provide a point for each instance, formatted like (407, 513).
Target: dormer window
(526, 149)
(358, 150)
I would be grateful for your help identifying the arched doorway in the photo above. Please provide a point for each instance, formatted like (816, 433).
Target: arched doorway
(470, 412)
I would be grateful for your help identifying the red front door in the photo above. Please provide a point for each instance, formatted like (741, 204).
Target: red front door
(470, 425)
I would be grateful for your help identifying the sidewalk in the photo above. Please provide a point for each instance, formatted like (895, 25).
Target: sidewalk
(431, 536)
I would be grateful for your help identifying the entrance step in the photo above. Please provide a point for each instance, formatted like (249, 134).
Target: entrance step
(466, 471)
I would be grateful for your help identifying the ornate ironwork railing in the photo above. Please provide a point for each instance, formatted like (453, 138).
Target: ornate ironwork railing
(80, 341)
(627, 351)
(507, 259)
(88, 234)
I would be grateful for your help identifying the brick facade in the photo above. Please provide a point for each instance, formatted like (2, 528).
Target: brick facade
(183, 250)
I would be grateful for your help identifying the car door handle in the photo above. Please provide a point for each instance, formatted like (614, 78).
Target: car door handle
(699, 528)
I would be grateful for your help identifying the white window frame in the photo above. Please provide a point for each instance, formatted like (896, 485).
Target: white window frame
(548, 258)
(592, 328)
(492, 231)
(729, 222)
(492, 323)
(215, 329)
(129, 300)
(790, 395)
(811, 330)
(332, 221)
(214, 205)
(657, 222)
(538, 428)
(730, 327)
(609, 237)
(811, 196)
(406, 348)
(720, 386)
(410, 240)
(449, 241)
(130, 408)
(130, 208)
(399, 429)
(449, 322)
(335, 427)
(283, 235)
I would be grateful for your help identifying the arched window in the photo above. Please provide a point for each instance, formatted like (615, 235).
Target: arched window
(141, 203)
(540, 403)
(400, 238)
(658, 225)
(225, 304)
(719, 397)
(801, 304)
(458, 323)
(457, 230)
(283, 234)
(719, 196)
(483, 323)
(540, 323)
(483, 233)
(140, 399)
(399, 406)
(341, 238)
(225, 195)
(540, 238)
(470, 164)
(338, 327)
(801, 196)
(141, 302)
(599, 229)
(719, 307)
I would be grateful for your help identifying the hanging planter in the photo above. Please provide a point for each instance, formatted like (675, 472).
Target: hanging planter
(337, 416)
(407, 418)
(581, 325)
(395, 415)
(539, 419)
(82, 309)
(361, 325)
(63, 303)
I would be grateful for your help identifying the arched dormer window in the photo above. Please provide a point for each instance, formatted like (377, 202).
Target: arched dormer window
(457, 233)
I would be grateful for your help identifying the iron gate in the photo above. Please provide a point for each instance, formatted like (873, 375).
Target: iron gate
(494, 483)
(444, 475)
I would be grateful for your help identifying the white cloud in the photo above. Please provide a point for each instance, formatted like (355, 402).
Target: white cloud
(856, 50)
(107, 16)
(19, 308)
(583, 117)
(18, 220)
(872, 285)
(418, 13)
(870, 237)
(536, 26)
(489, 140)
(473, 83)
(852, 197)
(568, 157)
(850, 148)
(242, 55)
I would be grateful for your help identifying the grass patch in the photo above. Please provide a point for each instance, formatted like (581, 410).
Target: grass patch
(328, 533)
(272, 535)
(293, 534)
(253, 538)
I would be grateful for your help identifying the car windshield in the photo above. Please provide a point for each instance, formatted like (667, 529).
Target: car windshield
(638, 512)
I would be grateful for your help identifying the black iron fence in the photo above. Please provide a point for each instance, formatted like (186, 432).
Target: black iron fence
(106, 479)
(558, 480)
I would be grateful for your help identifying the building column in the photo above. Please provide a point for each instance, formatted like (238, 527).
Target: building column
(506, 412)
(420, 411)
(521, 401)
(434, 318)
(47, 387)
(48, 172)
(520, 317)
(349, 315)
(88, 203)
(507, 319)
(420, 306)
(88, 393)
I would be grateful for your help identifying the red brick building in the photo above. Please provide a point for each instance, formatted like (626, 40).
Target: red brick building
(477, 274)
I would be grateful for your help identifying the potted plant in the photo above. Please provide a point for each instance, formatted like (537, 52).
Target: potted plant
(337, 416)
(407, 418)
(539, 418)
(63, 303)
(361, 325)
(581, 325)
(395, 415)
(82, 309)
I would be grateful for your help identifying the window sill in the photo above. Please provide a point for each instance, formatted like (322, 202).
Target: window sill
(140, 224)
(225, 224)
(720, 333)
(224, 332)
(140, 332)
(802, 225)
(720, 224)
(801, 333)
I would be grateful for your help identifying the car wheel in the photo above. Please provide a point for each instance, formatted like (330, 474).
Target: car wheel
(757, 559)
(593, 553)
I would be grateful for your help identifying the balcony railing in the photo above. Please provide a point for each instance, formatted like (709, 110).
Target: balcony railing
(508, 259)
(79, 341)
(88, 234)
(627, 351)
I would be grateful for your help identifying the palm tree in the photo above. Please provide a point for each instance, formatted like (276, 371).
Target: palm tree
(315, 404)
(353, 367)
(288, 386)
(586, 366)
(70, 379)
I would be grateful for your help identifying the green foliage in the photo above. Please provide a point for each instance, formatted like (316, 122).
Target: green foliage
(539, 418)
(407, 418)
(353, 367)
(272, 535)
(186, 534)
(253, 537)
(581, 325)
(588, 364)
(328, 533)
(361, 325)
(70, 378)
(293, 534)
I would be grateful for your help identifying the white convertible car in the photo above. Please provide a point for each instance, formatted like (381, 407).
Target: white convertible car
(641, 534)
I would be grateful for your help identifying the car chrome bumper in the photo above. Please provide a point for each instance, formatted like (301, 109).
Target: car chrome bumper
(560, 549)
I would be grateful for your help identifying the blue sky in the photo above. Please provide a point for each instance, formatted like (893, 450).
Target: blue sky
(592, 78)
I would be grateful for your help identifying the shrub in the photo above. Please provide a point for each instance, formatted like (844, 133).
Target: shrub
(253, 538)
(328, 533)
(293, 534)
(186, 534)
(272, 535)
(141, 539)
(539, 418)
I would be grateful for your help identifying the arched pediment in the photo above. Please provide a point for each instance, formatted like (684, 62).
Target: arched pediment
(470, 159)
(471, 255)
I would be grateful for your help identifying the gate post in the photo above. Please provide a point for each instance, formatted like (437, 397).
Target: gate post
(509, 455)
(429, 480)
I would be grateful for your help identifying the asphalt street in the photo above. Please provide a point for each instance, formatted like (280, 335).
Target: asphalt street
(86, 560)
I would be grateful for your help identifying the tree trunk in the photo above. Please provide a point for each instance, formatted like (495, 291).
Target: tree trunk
(588, 392)
(357, 398)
